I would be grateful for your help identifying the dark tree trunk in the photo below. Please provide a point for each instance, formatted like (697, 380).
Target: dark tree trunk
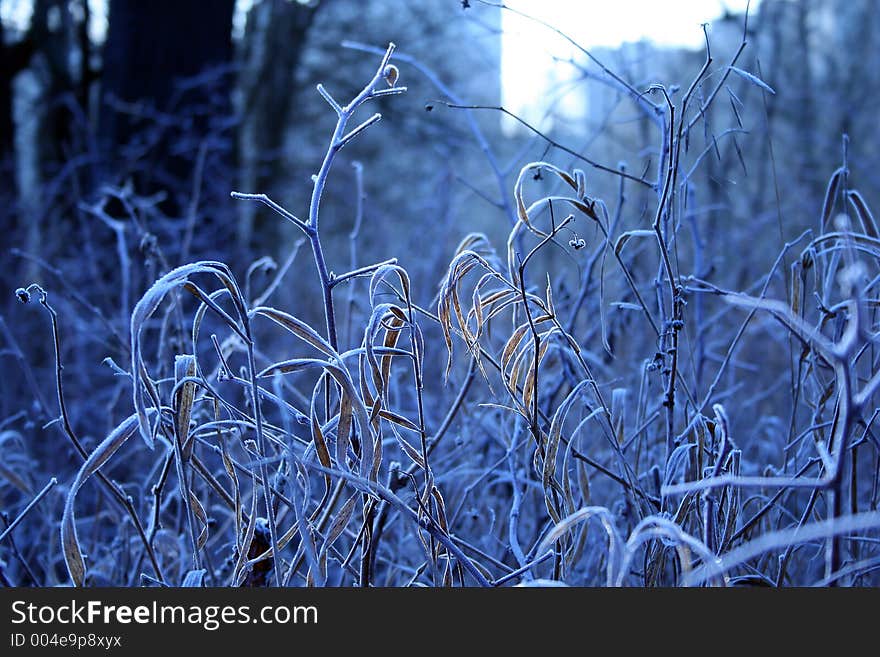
(151, 48)
(151, 45)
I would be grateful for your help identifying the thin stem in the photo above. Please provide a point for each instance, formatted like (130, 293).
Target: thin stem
(555, 144)
(39, 496)
(361, 271)
(262, 198)
(261, 445)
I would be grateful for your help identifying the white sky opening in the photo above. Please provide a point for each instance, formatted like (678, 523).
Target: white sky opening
(533, 57)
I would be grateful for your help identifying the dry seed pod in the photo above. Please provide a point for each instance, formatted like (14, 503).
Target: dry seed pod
(807, 260)
(581, 181)
(863, 212)
(390, 74)
(831, 195)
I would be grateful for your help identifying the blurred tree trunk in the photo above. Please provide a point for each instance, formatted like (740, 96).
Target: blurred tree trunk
(57, 37)
(50, 98)
(14, 58)
(271, 51)
(805, 118)
(856, 79)
(61, 64)
(772, 16)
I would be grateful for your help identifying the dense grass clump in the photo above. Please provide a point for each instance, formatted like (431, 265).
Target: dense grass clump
(517, 428)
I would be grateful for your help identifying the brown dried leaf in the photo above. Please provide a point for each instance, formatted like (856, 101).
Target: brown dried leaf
(69, 541)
